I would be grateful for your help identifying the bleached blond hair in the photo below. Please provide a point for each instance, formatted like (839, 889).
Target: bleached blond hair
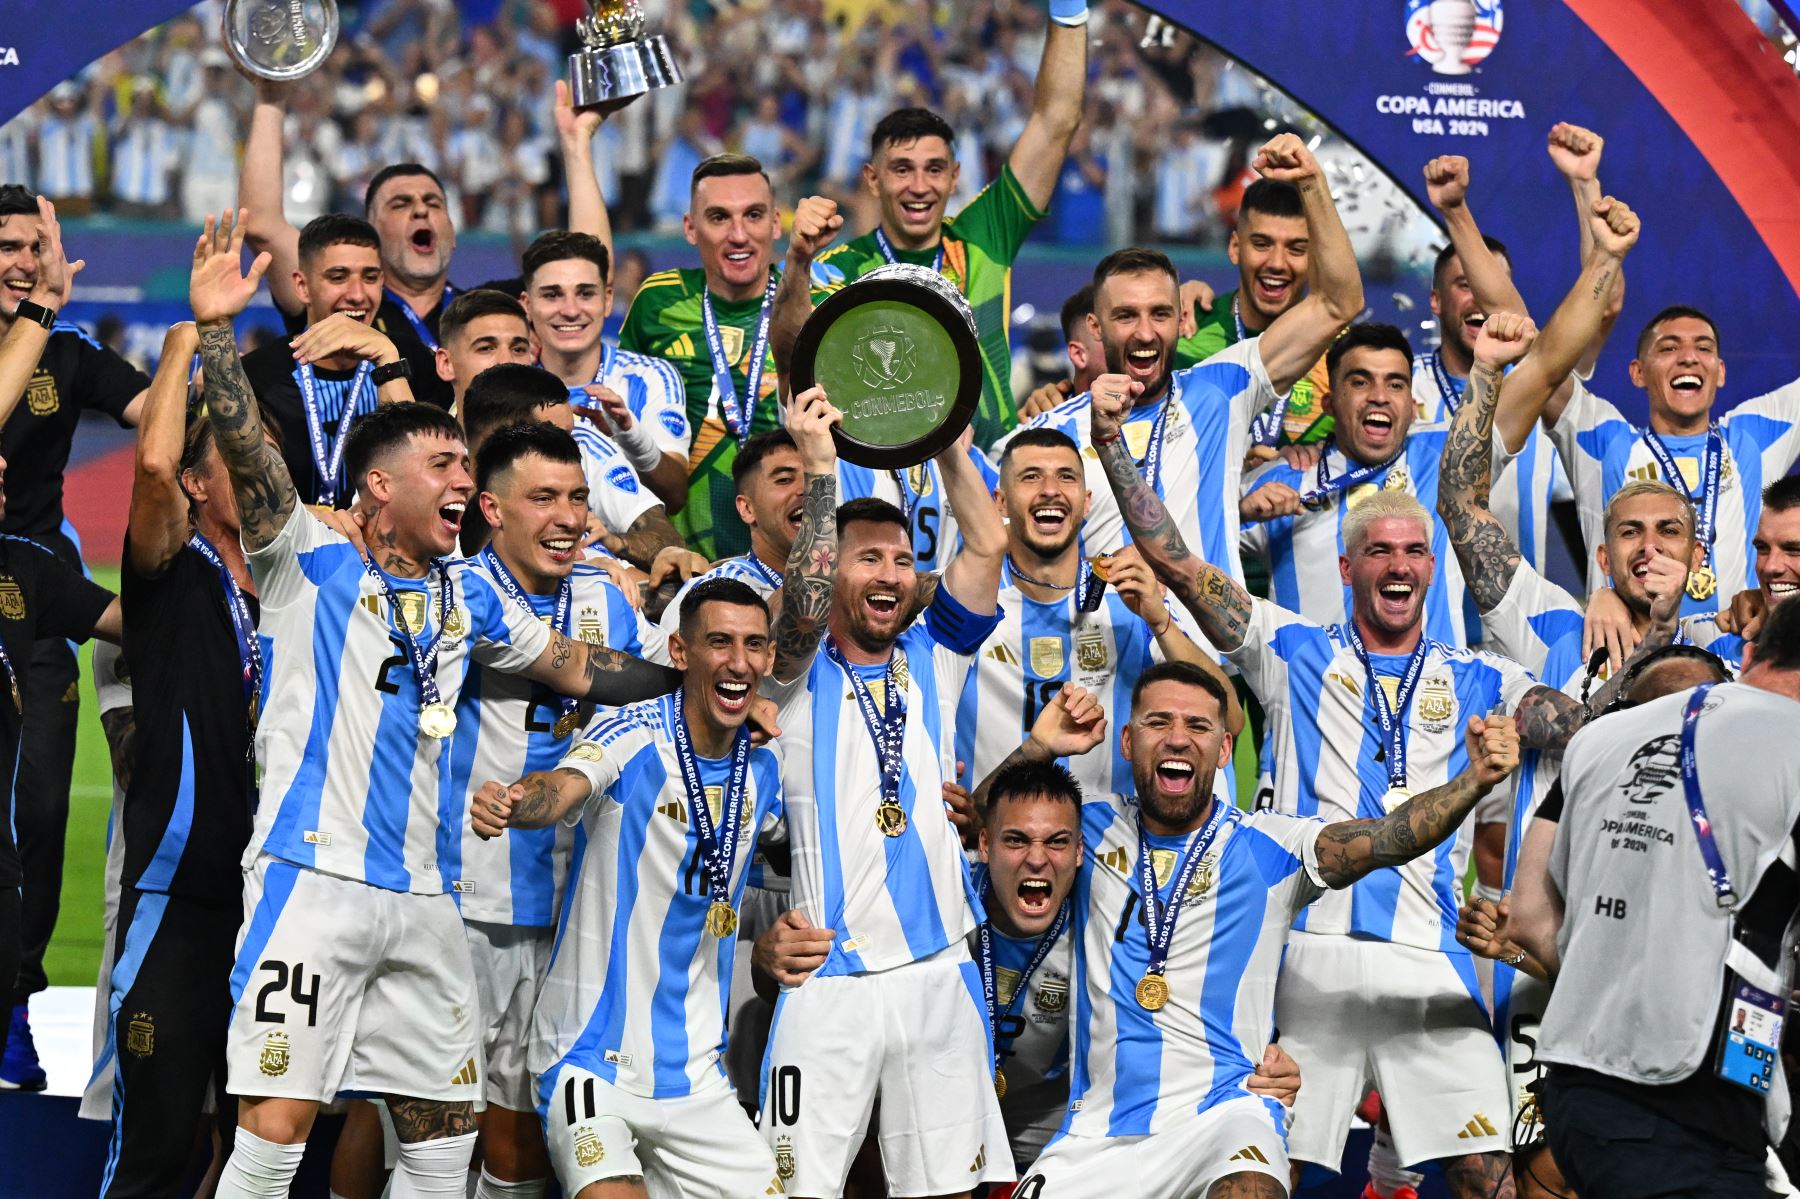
(1383, 505)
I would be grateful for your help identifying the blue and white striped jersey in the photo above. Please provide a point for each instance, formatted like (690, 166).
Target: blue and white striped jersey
(637, 988)
(1204, 442)
(1602, 451)
(745, 569)
(145, 152)
(505, 731)
(1524, 484)
(1135, 1071)
(920, 491)
(615, 493)
(1302, 550)
(651, 387)
(1322, 735)
(1033, 1042)
(66, 147)
(898, 899)
(349, 783)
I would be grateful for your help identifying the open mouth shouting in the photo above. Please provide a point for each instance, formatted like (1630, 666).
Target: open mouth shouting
(422, 240)
(732, 695)
(1144, 363)
(1378, 426)
(883, 605)
(1274, 289)
(1687, 383)
(1175, 776)
(1472, 325)
(1034, 896)
(1394, 598)
(1050, 519)
(451, 515)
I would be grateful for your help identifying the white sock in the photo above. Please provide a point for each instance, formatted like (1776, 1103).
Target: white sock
(1385, 1170)
(493, 1188)
(258, 1169)
(434, 1168)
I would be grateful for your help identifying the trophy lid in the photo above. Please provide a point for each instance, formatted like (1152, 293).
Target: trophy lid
(281, 39)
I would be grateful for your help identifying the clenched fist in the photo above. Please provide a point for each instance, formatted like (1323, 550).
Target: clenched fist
(1504, 338)
(816, 222)
(1493, 745)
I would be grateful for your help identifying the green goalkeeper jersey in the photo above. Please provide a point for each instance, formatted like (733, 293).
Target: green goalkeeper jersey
(979, 245)
(665, 320)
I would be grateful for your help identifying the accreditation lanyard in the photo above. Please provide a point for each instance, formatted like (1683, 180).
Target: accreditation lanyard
(737, 416)
(1450, 388)
(425, 335)
(718, 843)
(1712, 466)
(243, 626)
(1392, 719)
(1328, 485)
(329, 461)
(1716, 872)
(1159, 922)
(1151, 466)
(887, 728)
(887, 250)
(990, 987)
(422, 657)
(762, 572)
(559, 618)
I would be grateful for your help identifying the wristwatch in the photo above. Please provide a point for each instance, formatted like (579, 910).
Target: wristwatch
(36, 312)
(399, 368)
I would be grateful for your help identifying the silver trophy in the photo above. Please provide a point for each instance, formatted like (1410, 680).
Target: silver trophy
(281, 39)
(617, 62)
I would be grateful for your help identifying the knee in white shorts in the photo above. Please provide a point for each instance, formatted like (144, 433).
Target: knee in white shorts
(1181, 1161)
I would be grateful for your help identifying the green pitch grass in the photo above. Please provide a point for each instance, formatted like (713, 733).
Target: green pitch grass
(73, 958)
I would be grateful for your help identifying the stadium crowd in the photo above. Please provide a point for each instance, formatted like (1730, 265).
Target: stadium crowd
(554, 758)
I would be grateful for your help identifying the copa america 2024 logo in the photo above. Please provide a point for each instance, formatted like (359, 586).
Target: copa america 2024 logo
(1454, 36)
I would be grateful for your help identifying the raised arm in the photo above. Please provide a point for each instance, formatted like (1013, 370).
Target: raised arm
(1215, 599)
(218, 291)
(159, 507)
(816, 222)
(1484, 550)
(261, 192)
(1350, 849)
(973, 573)
(1056, 102)
(1292, 344)
(575, 130)
(1071, 724)
(24, 343)
(1447, 187)
(649, 535)
(806, 583)
(1576, 153)
(593, 672)
(1129, 575)
(1540, 385)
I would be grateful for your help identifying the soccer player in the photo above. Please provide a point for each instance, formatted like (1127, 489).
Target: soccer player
(53, 372)
(867, 748)
(318, 382)
(1181, 910)
(1191, 427)
(353, 971)
(668, 798)
(480, 328)
(190, 614)
(1777, 545)
(1343, 743)
(1087, 358)
(530, 488)
(712, 323)
(912, 172)
(1063, 618)
(639, 401)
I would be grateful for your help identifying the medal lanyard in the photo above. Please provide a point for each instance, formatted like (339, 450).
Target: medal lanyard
(909, 499)
(1159, 922)
(887, 250)
(1237, 319)
(243, 626)
(330, 462)
(738, 417)
(886, 728)
(1450, 388)
(1327, 486)
(1712, 466)
(1089, 586)
(989, 984)
(559, 619)
(762, 572)
(1392, 720)
(1151, 466)
(418, 323)
(423, 657)
(1716, 873)
(718, 844)
(607, 354)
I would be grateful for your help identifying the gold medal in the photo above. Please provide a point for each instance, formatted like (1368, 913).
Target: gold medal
(437, 721)
(890, 818)
(999, 1083)
(567, 723)
(1152, 992)
(721, 920)
(1100, 564)
(1702, 583)
(1395, 797)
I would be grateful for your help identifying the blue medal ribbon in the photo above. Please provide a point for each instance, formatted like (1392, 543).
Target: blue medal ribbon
(887, 250)
(243, 626)
(1716, 873)
(1392, 720)
(1090, 588)
(559, 619)
(909, 499)
(329, 463)
(1450, 388)
(415, 320)
(887, 728)
(738, 417)
(1151, 466)
(762, 572)
(1328, 485)
(1159, 921)
(990, 988)
(1711, 468)
(718, 843)
(422, 657)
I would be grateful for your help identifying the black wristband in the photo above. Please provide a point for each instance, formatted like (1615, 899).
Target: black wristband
(36, 313)
(400, 368)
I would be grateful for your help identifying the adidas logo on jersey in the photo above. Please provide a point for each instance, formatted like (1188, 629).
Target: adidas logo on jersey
(1117, 860)
(675, 810)
(1004, 655)
(1477, 1128)
(1249, 1153)
(615, 1058)
(465, 1077)
(980, 1160)
(463, 886)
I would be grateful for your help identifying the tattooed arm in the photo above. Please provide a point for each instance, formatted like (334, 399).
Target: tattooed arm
(806, 584)
(593, 672)
(649, 535)
(538, 800)
(1484, 550)
(218, 291)
(1217, 602)
(1072, 723)
(1349, 849)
